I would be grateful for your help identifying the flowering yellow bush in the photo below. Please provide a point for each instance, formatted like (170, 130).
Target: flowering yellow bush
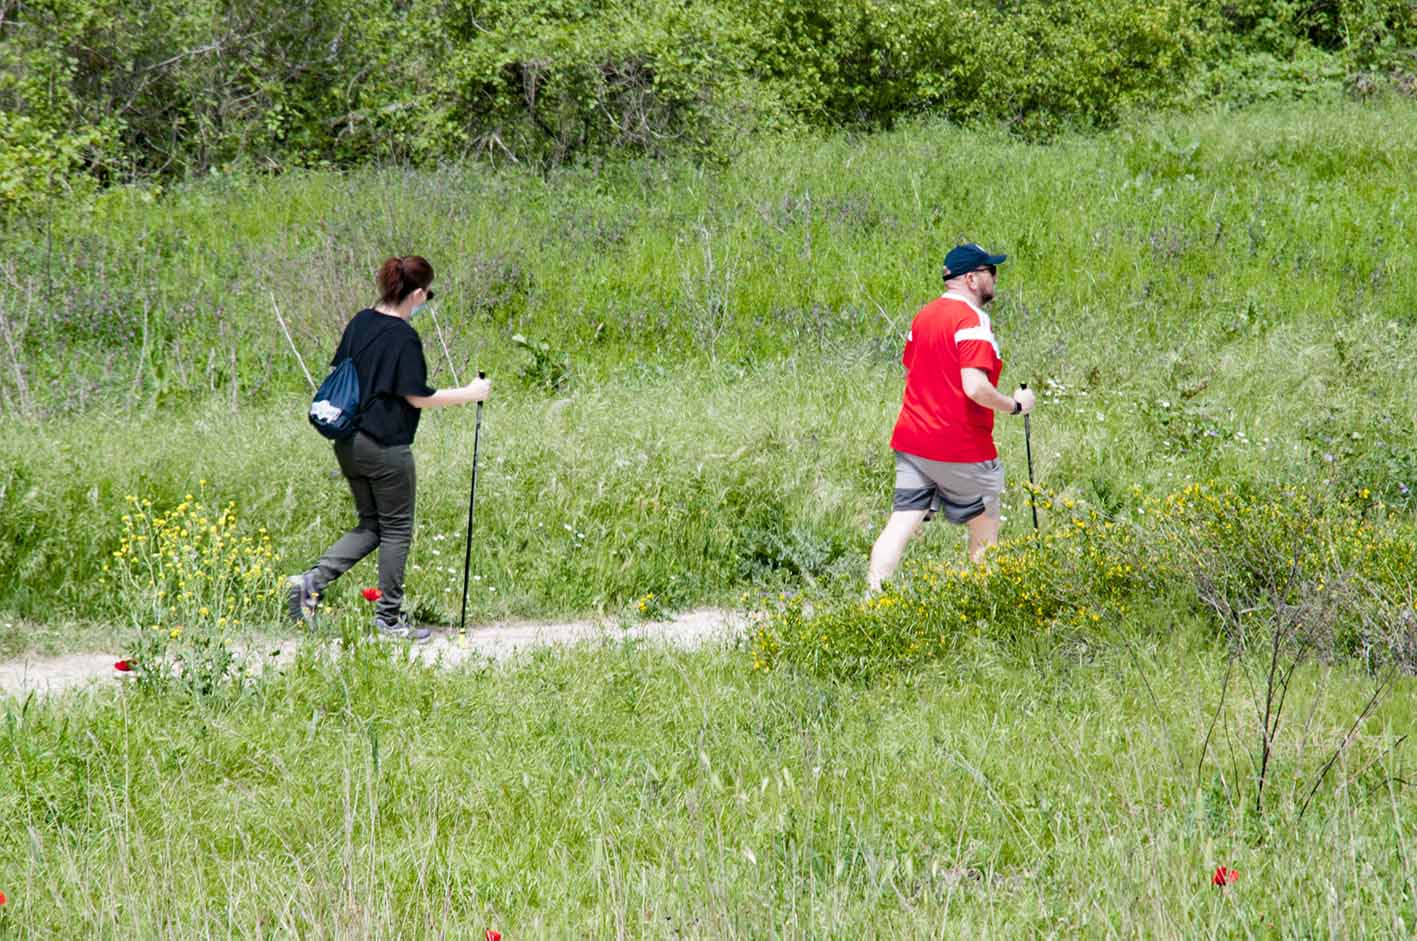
(1066, 579)
(184, 577)
(1086, 570)
(1249, 554)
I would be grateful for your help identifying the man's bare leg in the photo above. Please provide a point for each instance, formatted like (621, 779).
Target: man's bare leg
(983, 533)
(890, 546)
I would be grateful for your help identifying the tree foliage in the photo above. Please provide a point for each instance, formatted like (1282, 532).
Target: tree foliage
(93, 91)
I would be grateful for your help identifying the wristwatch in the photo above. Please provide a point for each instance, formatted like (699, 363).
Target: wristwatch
(1018, 407)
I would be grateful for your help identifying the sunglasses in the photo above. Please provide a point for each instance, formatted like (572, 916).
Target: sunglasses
(428, 292)
(992, 269)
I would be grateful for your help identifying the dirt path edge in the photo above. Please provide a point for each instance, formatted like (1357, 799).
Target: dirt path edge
(498, 642)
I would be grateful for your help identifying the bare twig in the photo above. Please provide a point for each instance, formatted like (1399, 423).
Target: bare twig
(1348, 738)
(1234, 762)
(1219, 705)
(1381, 755)
(1277, 679)
(186, 54)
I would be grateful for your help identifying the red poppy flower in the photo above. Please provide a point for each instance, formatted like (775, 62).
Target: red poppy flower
(3, 900)
(1223, 876)
(372, 594)
(123, 666)
(494, 935)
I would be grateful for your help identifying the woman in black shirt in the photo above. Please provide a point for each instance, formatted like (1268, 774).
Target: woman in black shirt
(377, 460)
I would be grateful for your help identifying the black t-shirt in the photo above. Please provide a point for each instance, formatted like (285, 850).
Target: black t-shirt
(388, 355)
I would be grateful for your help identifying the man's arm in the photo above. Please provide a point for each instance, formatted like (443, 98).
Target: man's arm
(978, 387)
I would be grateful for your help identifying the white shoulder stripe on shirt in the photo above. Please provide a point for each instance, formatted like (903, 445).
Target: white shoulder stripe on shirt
(977, 333)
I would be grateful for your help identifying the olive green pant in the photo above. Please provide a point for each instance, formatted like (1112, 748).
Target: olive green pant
(382, 481)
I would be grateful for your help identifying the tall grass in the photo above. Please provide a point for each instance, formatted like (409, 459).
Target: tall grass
(1225, 297)
(631, 793)
(1221, 229)
(1220, 296)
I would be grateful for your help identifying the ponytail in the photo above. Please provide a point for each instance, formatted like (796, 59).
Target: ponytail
(400, 277)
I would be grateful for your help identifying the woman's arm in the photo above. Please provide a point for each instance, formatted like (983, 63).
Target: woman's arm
(475, 391)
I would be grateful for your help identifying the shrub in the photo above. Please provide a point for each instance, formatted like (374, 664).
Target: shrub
(549, 370)
(184, 579)
(1327, 566)
(1368, 33)
(1244, 556)
(113, 89)
(1058, 585)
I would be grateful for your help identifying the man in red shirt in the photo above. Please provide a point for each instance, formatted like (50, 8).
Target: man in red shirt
(945, 460)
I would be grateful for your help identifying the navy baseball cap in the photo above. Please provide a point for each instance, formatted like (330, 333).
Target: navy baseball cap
(962, 259)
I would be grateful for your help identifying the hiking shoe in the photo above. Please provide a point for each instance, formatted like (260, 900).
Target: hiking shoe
(400, 629)
(302, 597)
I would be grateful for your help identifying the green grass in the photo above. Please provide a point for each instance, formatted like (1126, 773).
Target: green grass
(626, 792)
(1220, 296)
(1225, 296)
(21, 636)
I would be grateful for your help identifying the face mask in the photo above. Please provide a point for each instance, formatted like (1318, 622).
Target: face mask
(414, 313)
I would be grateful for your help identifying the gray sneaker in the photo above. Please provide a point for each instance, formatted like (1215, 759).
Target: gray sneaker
(400, 629)
(302, 597)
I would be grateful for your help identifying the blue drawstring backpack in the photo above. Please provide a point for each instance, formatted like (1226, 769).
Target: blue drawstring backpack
(334, 411)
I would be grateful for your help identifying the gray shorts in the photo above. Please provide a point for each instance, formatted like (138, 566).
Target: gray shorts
(960, 491)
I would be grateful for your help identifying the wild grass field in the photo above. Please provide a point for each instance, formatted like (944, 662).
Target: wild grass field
(629, 792)
(1219, 296)
(695, 371)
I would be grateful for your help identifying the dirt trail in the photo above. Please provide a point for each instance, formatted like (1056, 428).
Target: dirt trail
(498, 642)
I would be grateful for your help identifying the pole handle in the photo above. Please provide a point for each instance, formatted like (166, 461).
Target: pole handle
(481, 374)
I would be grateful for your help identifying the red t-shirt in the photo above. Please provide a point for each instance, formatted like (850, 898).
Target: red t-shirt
(937, 420)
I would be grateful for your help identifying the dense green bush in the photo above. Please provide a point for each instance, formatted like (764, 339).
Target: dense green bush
(112, 89)
(1372, 34)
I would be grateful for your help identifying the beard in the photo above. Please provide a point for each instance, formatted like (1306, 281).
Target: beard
(986, 294)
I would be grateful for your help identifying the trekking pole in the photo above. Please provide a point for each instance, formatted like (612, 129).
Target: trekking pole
(1028, 450)
(291, 340)
(438, 328)
(471, 502)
